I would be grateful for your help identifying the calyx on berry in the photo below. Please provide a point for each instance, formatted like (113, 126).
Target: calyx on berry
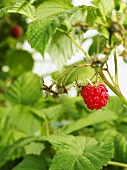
(16, 31)
(95, 97)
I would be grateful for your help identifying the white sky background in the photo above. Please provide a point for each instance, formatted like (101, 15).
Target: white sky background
(46, 65)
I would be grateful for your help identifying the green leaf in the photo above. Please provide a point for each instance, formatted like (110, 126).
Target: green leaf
(25, 119)
(3, 117)
(93, 118)
(93, 14)
(24, 8)
(120, 149)
(44, 29)
(25, 90)
(9, 136)
(105, 6)
(44, 103)
(34, 148)
(4, 10)
(66, 109)
(7, 3)
(105, 134)
(71, 110)
(49, 113)
(61, 49)
(50, 8)
(122, 126)
(78, 17)
(116, 105)
(80, 153)
(9, 152)
(38, 2)
(93, 48)
(71, 149)
(8, 133)
(95, 18)
(32, 162)
(19, 62)
(81, 73)
(53, 112)
(117, 4)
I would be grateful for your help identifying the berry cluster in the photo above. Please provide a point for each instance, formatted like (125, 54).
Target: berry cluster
(95, 97)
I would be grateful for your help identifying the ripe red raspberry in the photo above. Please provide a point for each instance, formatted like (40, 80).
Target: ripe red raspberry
(16, 31)
(95, 97)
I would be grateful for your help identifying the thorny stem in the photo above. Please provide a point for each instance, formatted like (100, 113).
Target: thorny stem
(117, 164)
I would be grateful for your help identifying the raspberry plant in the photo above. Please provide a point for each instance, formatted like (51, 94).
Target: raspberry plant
(60, 132)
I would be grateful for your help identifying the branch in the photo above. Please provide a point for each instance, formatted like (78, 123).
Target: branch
(114, 89)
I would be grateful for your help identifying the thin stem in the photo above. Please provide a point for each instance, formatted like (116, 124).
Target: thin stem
(102, 13)
(98, 43)
(117, 164)
(62, 74)
(74, 41)
(94, 76)
(47, 127)
(114, 89)
(116, 67)
(84, 65)
(69, 86)
(75, 67)
(31, 17)
(89, 81)
(78, 45)
(109, 74)
(70, 74)
(102, 24)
